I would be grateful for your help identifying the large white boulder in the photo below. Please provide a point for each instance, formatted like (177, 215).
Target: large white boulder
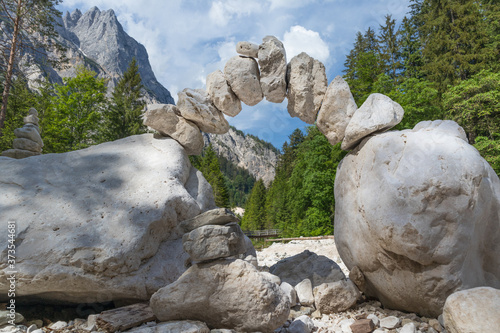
(418, 211)
(474, 310)
(230, 294)
(98, 224)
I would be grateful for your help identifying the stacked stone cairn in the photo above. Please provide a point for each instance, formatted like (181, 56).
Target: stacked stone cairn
(219, 289)
(261, 71)
(28, 141)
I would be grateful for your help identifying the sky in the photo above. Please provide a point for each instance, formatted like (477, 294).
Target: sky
(188, 39)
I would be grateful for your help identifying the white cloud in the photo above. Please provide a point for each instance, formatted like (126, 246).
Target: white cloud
(221, 12)
(298, 39)
(275, 4)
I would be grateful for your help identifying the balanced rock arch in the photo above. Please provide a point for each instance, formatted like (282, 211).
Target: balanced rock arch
(261, 71)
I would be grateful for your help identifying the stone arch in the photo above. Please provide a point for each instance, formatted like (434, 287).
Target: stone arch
(261, 71)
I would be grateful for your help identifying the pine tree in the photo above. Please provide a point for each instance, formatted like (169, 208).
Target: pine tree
(20, 19)
(124, 115)
(389, 48)
(411, 49)
(254, 217)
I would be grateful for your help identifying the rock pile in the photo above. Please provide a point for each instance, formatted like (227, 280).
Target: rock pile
(28, 141)
(220, 290)
(261, 71)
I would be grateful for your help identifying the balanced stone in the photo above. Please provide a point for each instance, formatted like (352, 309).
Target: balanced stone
(217, 216)
(31, 119)
(214, 241)
(336, 296)
(195, 105)
(474, 310)
(378, 113)
(307, 85)
(229, 294)
(19, 153)
(26, 144)
(272, 62)
(221, 94)
(164, 119)
(29, 132)
(244, 79)
(247, 49)
(426, 203)
(336, 110)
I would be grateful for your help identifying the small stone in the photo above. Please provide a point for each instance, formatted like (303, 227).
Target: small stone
(362, 326)
(441, 320)
(214, 241)
(31, 119)
(317, 315)
(184, 326)
(373, 318)
(221, 94)
(91, 322)
(247, 49)
(32, 328)
(19, 153)
(5, 317)
(58, 325)
(345, 325)
(302, 324)
(195, 105)
(356, 276)
(289, 290)
(222, 330)
(409, 328)
(380, 330)
(36, 322)
(244, 79)
(390, 322)
(336, 296)
(305, 292)
(217, 216)
(434, 323)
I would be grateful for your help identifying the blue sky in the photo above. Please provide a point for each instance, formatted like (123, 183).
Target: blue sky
(188, 39)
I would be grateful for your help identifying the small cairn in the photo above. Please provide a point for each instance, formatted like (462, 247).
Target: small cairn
(28, 141)
(220, 289)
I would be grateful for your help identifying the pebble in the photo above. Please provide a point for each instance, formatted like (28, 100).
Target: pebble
(390, 322)
(409, 328)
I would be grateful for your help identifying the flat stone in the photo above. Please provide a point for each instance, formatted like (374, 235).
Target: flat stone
(247, 49)
(244, 79)
(184, 326)
(58, 325)
(26, 144)
(363, 326)
(222, 95)
(307, 85)
(431, 225)
(165, 119)
(6, 316)
(31, 119)
(229, 294)
(336, 297)
(336, 110)
(302, 324)
(217, 216)
(305, 292)
(195, 105)
(377, 114)
(214, 241)
(272, 63)
(19, 153)
(473, 311)
(390, 322)
(29, 132)
(409, 328)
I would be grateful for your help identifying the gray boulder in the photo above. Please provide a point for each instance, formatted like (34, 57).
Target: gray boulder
(99, 224)
(229, 294)
(165, 119)
(244, 79)
(307, 83)
(272, 62)
(195, 105)
(214, 241)
(307, 265)
(428, 208)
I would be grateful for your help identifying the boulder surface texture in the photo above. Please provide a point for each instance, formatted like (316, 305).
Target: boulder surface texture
(228, 294)
(418, 211)
(97, 224)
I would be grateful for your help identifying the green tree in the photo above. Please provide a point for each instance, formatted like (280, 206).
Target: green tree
(389, 48)
(123, 118)
(73, 120)
(21, 19)
(254, 217)
(411, 49)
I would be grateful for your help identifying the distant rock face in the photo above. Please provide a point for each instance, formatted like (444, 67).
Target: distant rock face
(100, 224)
(245, 152)
(96, 38)
(418, 211)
